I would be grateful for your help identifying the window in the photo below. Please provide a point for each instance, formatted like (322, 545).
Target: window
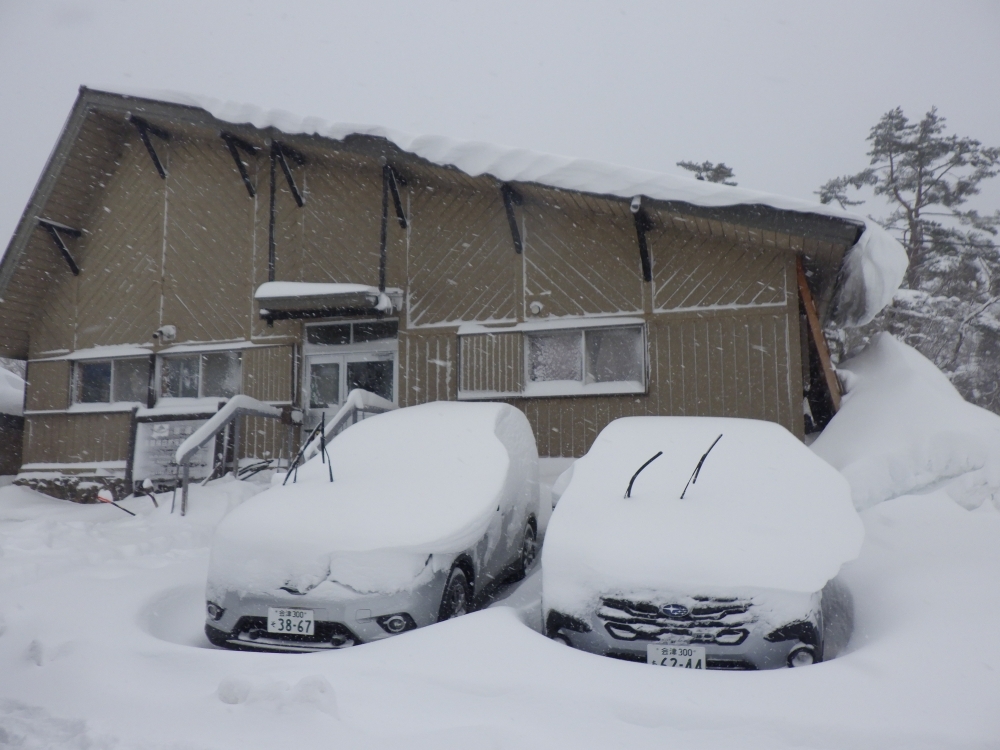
(337, 334)
(108, 381)
(213, 374)
(581, 361)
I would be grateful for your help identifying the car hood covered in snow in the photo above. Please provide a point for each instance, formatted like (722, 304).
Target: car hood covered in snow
(764, 513)
(407, 483)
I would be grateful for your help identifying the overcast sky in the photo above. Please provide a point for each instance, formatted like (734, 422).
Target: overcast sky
(784, 92)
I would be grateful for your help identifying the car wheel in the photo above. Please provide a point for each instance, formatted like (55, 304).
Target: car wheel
(457, 598)
(529, 550)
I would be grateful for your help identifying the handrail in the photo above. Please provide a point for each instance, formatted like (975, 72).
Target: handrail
(238, 406)
(358, 401)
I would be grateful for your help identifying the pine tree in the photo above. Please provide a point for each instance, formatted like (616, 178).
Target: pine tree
(950, 305)
(710, 172)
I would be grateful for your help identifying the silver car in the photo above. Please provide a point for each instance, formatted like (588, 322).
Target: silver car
(700, 543)
(410, 517)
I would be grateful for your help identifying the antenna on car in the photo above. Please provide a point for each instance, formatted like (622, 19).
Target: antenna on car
(697, 469)
(628, 492)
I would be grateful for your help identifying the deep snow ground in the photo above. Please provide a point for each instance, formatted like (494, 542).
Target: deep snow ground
(101, 647)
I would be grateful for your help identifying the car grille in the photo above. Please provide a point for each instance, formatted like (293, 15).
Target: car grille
(252, 631)
(723, 621)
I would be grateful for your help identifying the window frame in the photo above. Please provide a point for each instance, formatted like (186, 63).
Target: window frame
(555, 388)
(77, 384)
(200, 354)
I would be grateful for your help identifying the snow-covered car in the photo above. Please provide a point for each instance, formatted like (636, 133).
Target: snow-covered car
(701, 543)
(430, 508)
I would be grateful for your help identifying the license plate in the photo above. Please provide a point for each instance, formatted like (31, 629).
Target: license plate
(679, 657)
(293, 621)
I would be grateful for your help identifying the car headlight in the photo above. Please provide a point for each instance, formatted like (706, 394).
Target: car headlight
(397, 623)
(214, 610)
(801, 657)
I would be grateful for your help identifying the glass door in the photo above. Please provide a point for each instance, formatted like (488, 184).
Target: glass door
(324, 386)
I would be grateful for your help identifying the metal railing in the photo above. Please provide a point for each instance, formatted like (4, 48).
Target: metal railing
(359, 404)
(238, 406)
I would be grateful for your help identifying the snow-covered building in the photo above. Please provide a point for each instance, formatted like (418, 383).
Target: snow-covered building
(176, 253)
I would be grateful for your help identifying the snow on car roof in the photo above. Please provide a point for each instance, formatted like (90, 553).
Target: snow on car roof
(423, 479)
(764, 512)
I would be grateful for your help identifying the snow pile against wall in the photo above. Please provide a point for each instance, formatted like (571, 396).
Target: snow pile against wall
(426, 479)
(903, 428)
(875, 272)
(764, 513)
(11, 393)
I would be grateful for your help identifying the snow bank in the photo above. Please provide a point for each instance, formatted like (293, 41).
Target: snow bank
(11, 393)
(407, 483)
(867, 279)
(764, 512)
(903, 428)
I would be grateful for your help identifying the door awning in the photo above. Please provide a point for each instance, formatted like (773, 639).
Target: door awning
(284, 300)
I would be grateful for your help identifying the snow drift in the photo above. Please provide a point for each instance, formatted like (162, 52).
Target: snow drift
(764, 513)
(903, 428)
(11, 393)
(407, 483)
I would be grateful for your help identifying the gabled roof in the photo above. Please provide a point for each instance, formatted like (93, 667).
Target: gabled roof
(92, 137)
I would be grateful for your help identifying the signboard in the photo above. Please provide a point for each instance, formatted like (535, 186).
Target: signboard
(155, 446)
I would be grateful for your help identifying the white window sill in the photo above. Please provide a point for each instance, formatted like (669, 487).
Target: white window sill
(547, 388)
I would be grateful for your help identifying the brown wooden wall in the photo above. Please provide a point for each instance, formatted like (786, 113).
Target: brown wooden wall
(47, 385)
(76, 438)
(721, 310)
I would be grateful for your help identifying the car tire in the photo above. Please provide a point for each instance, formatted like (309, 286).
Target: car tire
(528, 552)
(457, 598)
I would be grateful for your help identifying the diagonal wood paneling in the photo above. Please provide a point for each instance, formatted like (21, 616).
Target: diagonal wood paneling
(698, 270)
(341, 221)
(118, 290)
(209, 244)
(578, 261)
(461, 260)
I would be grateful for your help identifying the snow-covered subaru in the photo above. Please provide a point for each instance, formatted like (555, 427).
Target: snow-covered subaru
(701, 543)
(429, 509)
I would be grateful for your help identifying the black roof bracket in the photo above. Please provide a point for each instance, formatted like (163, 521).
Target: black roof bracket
(145, 129)
(390, 184)
(642, 225)
(512, 198)
(54, 229)
(234, 143)
(280, 153)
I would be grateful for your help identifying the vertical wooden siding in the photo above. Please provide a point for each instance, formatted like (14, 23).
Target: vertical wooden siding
(47, 385)
(492, 363)
(427, 366)
(267, 373)
(76, 438)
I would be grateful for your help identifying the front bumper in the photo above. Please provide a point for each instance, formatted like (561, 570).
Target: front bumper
(343, 618)
(623, 629)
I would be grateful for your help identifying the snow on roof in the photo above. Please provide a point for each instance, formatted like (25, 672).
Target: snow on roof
(764, 512)
(407, 483)
(874, 267)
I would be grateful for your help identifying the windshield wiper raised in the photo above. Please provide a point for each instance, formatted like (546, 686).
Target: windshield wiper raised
(697, 469)
(628, 492)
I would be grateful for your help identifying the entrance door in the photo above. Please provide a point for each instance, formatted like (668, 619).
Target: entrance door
(332, 370)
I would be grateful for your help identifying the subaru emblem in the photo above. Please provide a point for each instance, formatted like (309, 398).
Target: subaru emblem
(674, 610)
